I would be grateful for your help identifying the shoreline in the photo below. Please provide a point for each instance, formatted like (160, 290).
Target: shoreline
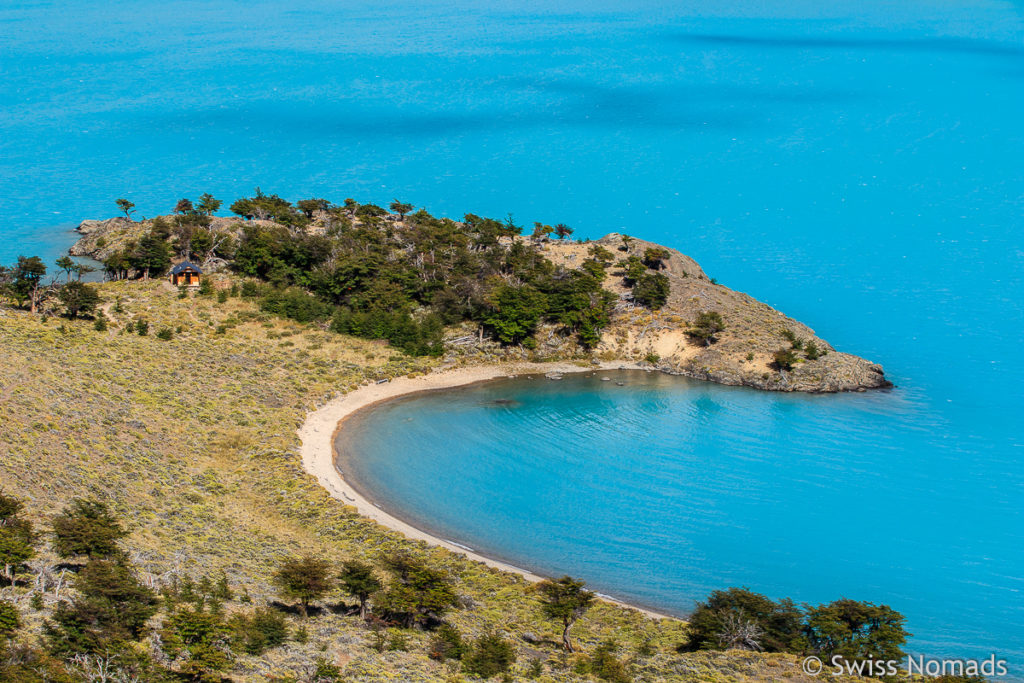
(322, 426)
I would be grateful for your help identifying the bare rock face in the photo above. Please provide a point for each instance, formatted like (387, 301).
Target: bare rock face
(102, 238)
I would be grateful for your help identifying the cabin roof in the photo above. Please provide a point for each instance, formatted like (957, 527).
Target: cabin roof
(185, 265)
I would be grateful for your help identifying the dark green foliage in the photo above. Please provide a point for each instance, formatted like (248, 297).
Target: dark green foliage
(222, 296)
(304, 579)
(165, 334)
(36, 602)
(26, 281)
(812, 352)
(358, 580)
(401, 208)
(418, 594)
(784, 359)
(514, 312)
(325, 672)
(9, 620)
(489, 656)
(141, 327)
(151, 256)
(651, 290)
(200, 640)
(100, 324)
(415, 337)
(655, 257)
(562, 231)
(206, 286)
(296, 304)
(564, 600)
(706, 327)
(17, 538)
(447, 643)
(856, 630)
(632, 270)
(605, 665)
(577, 300)
(112, 607)
(67, 264)
(89, 528)
(258, 631)
(739, 618)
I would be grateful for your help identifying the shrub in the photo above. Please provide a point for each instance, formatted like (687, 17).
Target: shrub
(652, 358)
(142, 327)
(651, 290)
(447, 643)
(222, 296)
(489, 656)
(206, 286)
(100, 324)
(165, 334)
(784, 359)
(605, 665)
(811, 351)
(258, 631)
(87, 527)
(706, 327)
(296, 304)
(9, 620)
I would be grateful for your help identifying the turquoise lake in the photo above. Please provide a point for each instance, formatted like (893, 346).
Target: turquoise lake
(857, 165)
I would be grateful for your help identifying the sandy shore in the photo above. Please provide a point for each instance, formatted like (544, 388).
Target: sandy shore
(322, 426)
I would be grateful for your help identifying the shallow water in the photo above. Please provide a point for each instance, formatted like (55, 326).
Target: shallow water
(664, 489)
(856, 164)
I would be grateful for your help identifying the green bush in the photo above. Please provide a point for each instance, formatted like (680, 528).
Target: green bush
(447, 643)
(489, 656)
(258, 631)
(651, 290)
(9, 620)
(296, 304)
(784, 359)
(165, 334)
(739, 618)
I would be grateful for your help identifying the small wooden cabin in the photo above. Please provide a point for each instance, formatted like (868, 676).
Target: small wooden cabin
(186, 274)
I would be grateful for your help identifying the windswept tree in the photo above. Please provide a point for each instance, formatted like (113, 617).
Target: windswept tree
(562, 231)
(89, 528)
(126, 206)
(358, 580)
(17, 539)
(565, 600)
(310, 206)
(401, 208)
(208, 204)
(151, 256)
(706, 326)
(183, 207)
(655, 257)
(304, 579)
(541, 231)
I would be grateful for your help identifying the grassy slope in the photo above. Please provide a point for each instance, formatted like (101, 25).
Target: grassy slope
(193, 440)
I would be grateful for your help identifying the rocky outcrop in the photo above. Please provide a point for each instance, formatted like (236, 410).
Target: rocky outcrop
(743, 353)
(102, 238)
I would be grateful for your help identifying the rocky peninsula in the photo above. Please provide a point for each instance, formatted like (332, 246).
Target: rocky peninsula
(749, 343)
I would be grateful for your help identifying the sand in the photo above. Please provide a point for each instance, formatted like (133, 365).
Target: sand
(322, 426)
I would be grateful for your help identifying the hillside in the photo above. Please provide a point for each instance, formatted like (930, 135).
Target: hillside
(744, 351)
(192, 440)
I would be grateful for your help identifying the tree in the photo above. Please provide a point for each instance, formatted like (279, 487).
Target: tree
(514, 312)
(126, 206)
(87, 527)
(81, 269)
(565, 600)
(651, 290)
(27, 282)
(17, 538)
(208, 205)
(401, 208)
(418, 593)
(304, 579)
(856, 630)
(562, 231)
(541, 231)
(183, 207)
(489, 656)
(706, 326)
(78, 298)
(655, 257)
(740, 618)
(310, 206)
(67, 264)
(151, 256)
(358, 580)
(200, 641)
(784, 359)
(111, 608)
(9, 620)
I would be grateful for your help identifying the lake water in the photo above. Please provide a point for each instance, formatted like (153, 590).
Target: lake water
(855, 164)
